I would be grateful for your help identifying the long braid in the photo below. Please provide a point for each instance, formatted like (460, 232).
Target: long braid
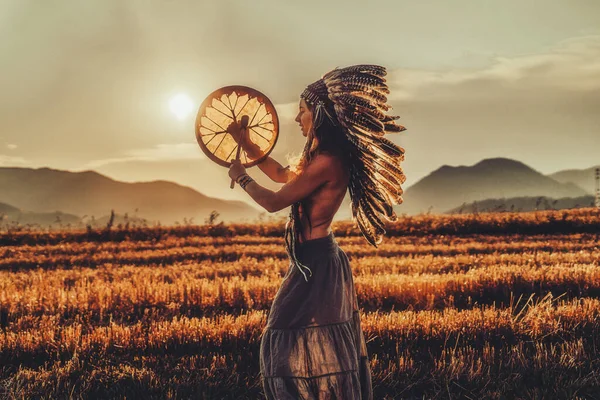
(293, 227)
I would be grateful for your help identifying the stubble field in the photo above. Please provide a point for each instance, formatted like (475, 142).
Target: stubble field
(473, 306)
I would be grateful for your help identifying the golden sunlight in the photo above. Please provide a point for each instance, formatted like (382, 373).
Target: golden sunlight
(181, 105)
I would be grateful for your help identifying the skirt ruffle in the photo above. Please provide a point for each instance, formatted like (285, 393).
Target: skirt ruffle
(313, 345)
(318, 362)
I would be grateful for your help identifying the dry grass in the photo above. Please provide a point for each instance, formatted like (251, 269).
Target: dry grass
(455, 309)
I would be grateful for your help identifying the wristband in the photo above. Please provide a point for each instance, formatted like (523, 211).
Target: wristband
(240, 177)
(244, 179)
(246, 182)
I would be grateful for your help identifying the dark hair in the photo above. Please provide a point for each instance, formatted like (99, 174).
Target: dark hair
(329, 138)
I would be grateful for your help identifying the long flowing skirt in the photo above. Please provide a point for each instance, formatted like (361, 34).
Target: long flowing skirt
(313, 345)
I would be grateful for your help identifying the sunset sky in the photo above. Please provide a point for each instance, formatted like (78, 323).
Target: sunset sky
(88, 84)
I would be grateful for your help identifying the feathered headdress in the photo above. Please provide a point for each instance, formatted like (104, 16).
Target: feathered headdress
(357, 98)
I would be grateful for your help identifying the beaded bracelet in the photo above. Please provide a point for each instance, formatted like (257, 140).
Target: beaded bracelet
(246, 183)
(244, 179)
(241, 177)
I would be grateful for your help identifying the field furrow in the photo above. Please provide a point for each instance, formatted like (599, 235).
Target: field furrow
(501, 305)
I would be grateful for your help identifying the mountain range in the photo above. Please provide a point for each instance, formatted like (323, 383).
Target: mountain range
(10, 214)
(495, 178)
(584, 178)
(28, 195)
(89, 193)
(525, 203)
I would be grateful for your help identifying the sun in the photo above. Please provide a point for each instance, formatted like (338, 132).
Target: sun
(181, 105)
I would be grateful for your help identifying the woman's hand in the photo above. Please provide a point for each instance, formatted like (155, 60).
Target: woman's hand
(242, 138)
(236, 169)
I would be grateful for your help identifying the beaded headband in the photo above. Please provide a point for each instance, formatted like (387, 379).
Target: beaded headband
(316, 95)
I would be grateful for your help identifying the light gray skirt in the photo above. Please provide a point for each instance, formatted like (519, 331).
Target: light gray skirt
(313, 345)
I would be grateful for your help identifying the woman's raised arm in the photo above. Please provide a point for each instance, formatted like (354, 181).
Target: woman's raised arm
(275, 171)
(269, 166)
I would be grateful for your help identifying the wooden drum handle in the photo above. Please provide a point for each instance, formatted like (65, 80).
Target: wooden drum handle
(244, 125)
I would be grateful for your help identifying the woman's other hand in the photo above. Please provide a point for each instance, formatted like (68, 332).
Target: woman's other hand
(236, 169)
(236, 131)
(242, 137)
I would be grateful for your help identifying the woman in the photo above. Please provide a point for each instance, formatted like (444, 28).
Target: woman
(313, 345)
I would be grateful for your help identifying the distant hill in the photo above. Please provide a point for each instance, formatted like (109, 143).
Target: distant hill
(449, 187)
(10, 214)
(89, 193)
(73, 197)
(584, 178)
(524, 204)
(6, 209)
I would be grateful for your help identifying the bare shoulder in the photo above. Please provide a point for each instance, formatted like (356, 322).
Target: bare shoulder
(332, 162)
(322, 165)
(325, 163)
(325, 158)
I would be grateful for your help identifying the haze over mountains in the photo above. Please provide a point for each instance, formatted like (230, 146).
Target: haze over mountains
(89, 193)
(495, 178)
(584, 178)
(43, 195)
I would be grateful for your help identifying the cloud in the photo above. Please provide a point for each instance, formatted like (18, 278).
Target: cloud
(287, 111)
(537, 108)
(9, 161)
(571, 65)
(11, 146)
(158, 153)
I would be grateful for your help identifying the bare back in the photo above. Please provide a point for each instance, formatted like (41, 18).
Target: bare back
(324, 202)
